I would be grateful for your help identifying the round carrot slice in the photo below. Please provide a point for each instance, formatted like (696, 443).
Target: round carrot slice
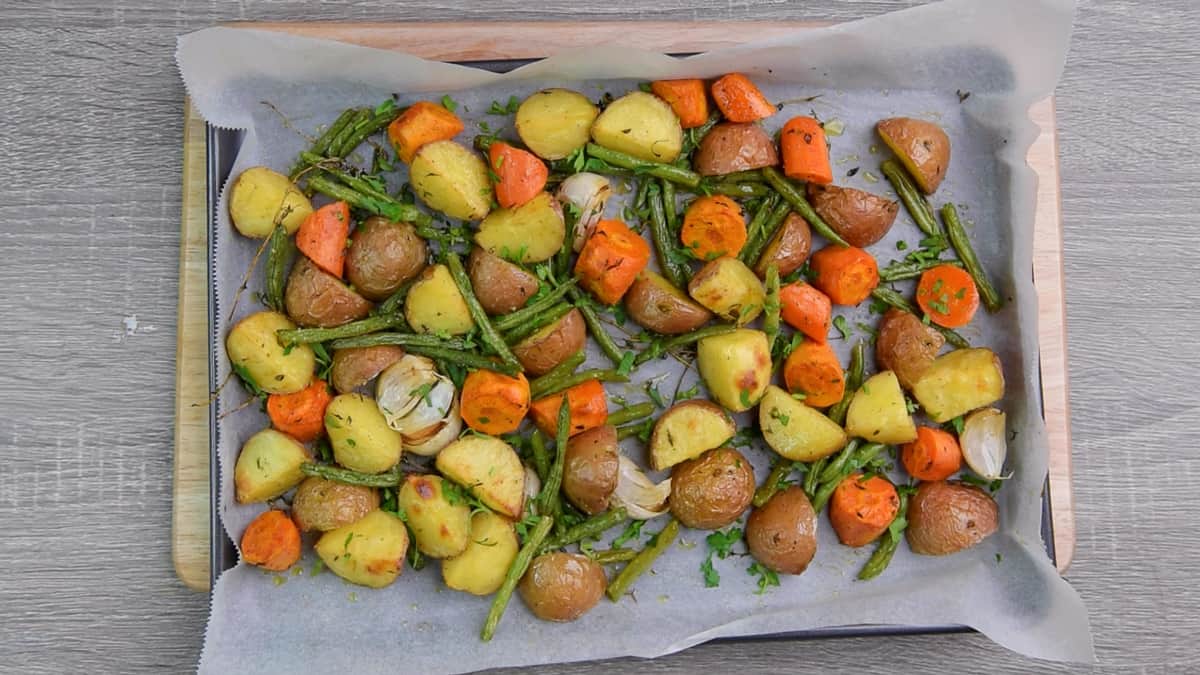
(948, 295)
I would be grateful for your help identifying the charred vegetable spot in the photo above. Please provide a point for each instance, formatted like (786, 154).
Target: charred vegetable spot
(424, 489)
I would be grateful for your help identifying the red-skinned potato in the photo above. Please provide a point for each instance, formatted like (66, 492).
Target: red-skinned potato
(923, 147)
(782, 534)
(590, 469)
(552, 345)
(382, 256)
(562, 586)
(654, 304)
(315, 298)
(859, 217)
(788, 249)
(730, 147)
(712, 490)
(946, 518)
(500, 286)
(906, 346)
(355, 367)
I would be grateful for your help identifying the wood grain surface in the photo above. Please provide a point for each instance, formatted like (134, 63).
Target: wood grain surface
(89, 241)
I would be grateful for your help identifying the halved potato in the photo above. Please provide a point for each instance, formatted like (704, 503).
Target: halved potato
(368, 552)
(653, 303)
(260, 197)
(553, 123)
(359, 434)
(268, 466)
(253, 347)
(322, 504)
(906, 346)
(435, 305)
(923, 147)
(530, 233)
(356, 366)
(879, 413)
(958, 382)
(729, 289)
(480, 569)
(552, 345)
(945, 518)
(688, 430)
(490, 469)
(859, 217)
(451, 178)
(789, 247)
(439, 516)
(736, 367)
(730, 147)
(642, 125)
(796, 431)
(316, 298)
(500, 286)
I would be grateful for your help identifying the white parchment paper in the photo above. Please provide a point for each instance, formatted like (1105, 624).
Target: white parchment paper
(1007, 55)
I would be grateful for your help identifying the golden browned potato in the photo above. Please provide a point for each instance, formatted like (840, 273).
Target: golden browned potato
(323, 505)
(382, 256)
(356, 366)
(562, 586)
(736, 367)
(369, 552)
(260, 197)
(437, 514)
(947, 517)
(688, 430)
(730, 147)
(553, 344)
(729, 289)
(879, 413)
(789, 247)
(500, 286)
(268, 466)
(654, 304)
(782, 534)
(958, 382)
(252, 345)
(490, 469)
(452, 178)
(859, 217)
(553, 123)
(480, 569)
(530, 233)
(906, 346)
(712, 490)
(359, 434)
(796, 431)
(590, 468)
(922, 146)
(435, 305)
(315, 297)
(642, 125)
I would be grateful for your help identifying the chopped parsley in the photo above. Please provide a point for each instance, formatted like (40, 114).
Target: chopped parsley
(839, 322)
(766, 576)
(449, 103)
(719, 544)
(632, 531)
(505, 109)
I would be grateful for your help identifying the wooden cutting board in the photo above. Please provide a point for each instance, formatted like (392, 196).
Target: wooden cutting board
(493, 41)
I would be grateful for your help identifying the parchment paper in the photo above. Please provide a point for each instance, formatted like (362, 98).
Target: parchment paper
(1007, 55)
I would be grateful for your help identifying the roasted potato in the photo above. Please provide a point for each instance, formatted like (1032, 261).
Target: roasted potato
(360, 436)
(253, 347)
(382, 256)
(859, 217)
(730, 147)
(906, 346)
(435, 305)
(355, 367)
(642, 125)
(530, 233)
(688, 430)
(782, 534)
(654, 304)
(315, 297)
(789, 247)
(946, 518)
(553, 123)
(879, 413)
(958, 382)
(481, 568)
(369, 552)
(323, 505)
(923, 147)
(500, 286)
(260, 197)
(736, 367)
(437, 514)
(562, 586)
(712, 490)
(590, 468)
(796, 431)
(268, 466)
(451, 178)
(729, 289)
(553, 344)
(490, 469)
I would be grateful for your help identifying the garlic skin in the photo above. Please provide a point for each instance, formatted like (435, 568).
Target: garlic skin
(642, 498)
(984, 442)
(420, 403)
(533, 484)
(588, 192)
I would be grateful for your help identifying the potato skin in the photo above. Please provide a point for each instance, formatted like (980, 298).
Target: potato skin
(316, 298)
(252, 345)
(500, 286)
(369, 552)
(730, 147)
(922, 146)
(267, 466)
(861, 218)
(712, 490)
(323, 505)
(551, 345)
(356, 366)
(654, 304)
(382, 256)
(788, 249)
(562, 586)
(590, 469)
(906, 346)
(946, 518)
(782, 534)
(259, 196)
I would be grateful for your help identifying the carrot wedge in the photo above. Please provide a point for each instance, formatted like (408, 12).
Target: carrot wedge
(740, 100)
(322, 237)
(686, 97)
(805, 152)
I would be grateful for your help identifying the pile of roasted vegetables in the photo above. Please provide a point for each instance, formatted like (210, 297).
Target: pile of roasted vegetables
(420, 360)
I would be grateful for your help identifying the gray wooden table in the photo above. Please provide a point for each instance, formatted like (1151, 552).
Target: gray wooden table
(90, 128)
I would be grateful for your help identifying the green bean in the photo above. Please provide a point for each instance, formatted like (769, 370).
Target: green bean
(810, 479)
(515, 572)
(360, 116)
(692, 137)
(389, 478)
(894, 299)
(779, 472)
(487, 332)
(862, 456)
(562, 370)
(657, 348)
(634, 429)
(854, 380)
(675, 174)
(962, 245)
(276, 268)
(614, 555)
(918, 207)
(362, 129)
(754, 228)
(321, 145)
(642, 562)
(664, 244)
(643, 191)
(601, 336)
(549, 498)
(394, 302)
(631, 413)
(543, 387)
(592, 527)
(747, 176)
(537, 323)
(887, 543)
(307, 336)
(771, 307)
(779, 213)
(521, 316)
(464, 358)
(399, 339)
(730, 189)
(537, 448)
(834, 468)
(562, 259)
(793, 196)
(392, 210)
(668, 199)
(899, 271)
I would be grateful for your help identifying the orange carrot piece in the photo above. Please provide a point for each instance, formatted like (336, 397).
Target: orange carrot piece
(845, 273)
(610, 260)
(862, 508)
(805, 152)
(271, 541)
(713, 227)
(322, 237)
(300, 415)
(588, 404)
(422, 123)
(493, 403)
(813, 369)
(935, 455)
(739, 100)
(948, 295)
(687, 98)
(520, 175)
(807, 310)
